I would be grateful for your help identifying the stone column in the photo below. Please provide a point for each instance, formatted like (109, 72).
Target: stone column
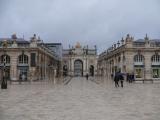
(69, 66)
(72, 66)
(45, 67)
(147, 68)
(129, 62)
(121, 63)
(106, 67)
(31, 70)
(13, 67)
(55, 72)
(86, 64)
(113, 65)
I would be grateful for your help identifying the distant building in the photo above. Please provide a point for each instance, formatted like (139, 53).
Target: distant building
(27, 60)
(141, 57)
(79, 61)
(56, 48)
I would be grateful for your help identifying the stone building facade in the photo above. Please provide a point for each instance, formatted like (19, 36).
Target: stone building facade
(57, 48)
(26, 60)
(139, 57)
(79, 61)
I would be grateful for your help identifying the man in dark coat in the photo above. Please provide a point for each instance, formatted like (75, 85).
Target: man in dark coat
(121, 78)
(116, 80)
(127, 77)
(87, 76)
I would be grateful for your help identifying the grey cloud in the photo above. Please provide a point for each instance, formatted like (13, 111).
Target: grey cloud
(101, 22)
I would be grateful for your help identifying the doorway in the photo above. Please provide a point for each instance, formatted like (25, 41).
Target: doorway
(91, 70)
(78, 68)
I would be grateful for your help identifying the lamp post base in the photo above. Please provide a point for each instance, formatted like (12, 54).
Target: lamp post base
(4, 84)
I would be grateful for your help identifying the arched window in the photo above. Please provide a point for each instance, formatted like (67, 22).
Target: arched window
(139, 65)
(155, 58)
(5, 59)
(138, 58)
(23, 59)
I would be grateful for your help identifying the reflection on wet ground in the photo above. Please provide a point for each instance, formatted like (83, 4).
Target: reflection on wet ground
(80, 99)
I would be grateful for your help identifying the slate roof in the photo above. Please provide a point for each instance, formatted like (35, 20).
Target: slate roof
(140, 40)
(155, 40)
(152, 40)
(53, 43)
(18, 40)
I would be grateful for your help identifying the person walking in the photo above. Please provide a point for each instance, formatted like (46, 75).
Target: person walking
(112, 76)
(132, 77)
(116, 80)
(87, 76)
(121, 78)
(127, 76)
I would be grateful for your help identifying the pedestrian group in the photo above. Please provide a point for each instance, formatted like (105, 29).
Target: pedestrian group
(120, 77)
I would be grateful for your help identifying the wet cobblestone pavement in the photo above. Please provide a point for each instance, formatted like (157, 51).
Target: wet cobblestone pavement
(80, 99)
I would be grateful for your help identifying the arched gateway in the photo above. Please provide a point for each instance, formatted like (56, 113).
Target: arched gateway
(80, 60)
(78, 68)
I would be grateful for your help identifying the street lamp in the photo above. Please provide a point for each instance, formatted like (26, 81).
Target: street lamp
(4, 80)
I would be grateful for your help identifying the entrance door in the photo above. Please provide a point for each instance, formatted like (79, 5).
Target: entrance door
(78, 68)
(91, 70)
(23, 74)
(139, 72)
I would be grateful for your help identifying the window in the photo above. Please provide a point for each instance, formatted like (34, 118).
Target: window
(155, 58)
(138, 58)
(156, 73)
(33, 59)
(5, 59)
(23, 59)
(155, 68)
(138, 72)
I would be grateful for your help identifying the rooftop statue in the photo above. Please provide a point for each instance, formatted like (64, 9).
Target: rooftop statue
(77, 45)
(5, 43)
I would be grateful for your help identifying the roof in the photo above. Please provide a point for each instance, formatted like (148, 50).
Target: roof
(53, 43)
(18, 40)
(140, 40)
(155, 40)
(152, 40)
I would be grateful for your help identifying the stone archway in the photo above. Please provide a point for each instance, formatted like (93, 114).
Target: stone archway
(78, 68)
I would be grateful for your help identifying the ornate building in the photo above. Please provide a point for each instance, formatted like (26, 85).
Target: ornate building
(79, 61)
(27, 60)
(141, 57)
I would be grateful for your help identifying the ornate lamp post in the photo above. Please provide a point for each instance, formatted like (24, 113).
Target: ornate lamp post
(4, 80)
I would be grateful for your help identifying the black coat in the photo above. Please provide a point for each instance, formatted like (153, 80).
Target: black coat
(116, 78)
(121, 77)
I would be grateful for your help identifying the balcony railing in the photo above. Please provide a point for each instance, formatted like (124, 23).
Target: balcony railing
(2, 64)
(155, 63)
(23, 64)
(138, 63)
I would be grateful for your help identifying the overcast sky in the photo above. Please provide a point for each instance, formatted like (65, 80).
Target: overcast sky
(92, 22)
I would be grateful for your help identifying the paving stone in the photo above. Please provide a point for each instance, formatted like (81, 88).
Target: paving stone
(80, 99)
